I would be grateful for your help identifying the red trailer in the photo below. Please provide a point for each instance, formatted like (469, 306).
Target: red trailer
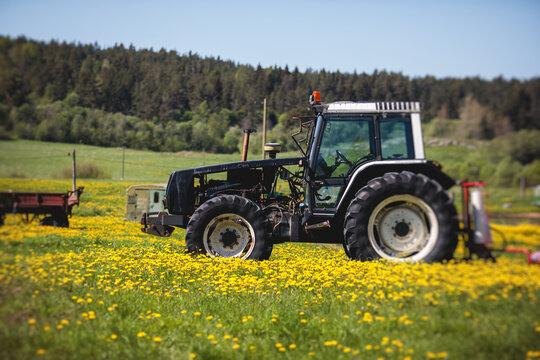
(55, 207)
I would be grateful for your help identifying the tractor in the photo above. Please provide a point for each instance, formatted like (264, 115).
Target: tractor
(362, 181)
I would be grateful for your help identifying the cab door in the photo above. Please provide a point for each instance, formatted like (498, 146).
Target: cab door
(345, 141)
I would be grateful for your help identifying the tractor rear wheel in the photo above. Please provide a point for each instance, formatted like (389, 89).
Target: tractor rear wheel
(401, 216)
(228, 226)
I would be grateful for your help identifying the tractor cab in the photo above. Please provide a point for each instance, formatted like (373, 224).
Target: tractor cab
(348, 136)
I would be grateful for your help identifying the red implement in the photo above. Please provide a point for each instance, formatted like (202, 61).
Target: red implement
(55, 206)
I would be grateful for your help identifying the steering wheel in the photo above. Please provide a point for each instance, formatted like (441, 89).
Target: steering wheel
(343, 159)
(369, 156)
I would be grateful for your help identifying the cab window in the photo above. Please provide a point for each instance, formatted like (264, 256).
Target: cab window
(396, 137)
(345, 143)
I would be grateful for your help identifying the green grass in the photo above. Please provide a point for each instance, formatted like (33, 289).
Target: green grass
(46, 160)
(43, 160)
(478, 310)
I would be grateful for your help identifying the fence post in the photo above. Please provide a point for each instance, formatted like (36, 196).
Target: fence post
(74, 172)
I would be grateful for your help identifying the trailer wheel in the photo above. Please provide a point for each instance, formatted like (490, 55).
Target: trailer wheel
(61, 221)
(401, 216)
(56, 220)
(228, 226)
(47, 221)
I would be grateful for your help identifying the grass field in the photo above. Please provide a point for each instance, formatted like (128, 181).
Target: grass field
(42, 160)
(101, 289)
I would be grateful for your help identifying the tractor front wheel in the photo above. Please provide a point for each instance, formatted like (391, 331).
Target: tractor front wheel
(401, 216)
(228, 226)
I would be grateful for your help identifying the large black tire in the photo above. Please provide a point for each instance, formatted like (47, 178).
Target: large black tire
(267, 251)
(229, 226)
(402, 216)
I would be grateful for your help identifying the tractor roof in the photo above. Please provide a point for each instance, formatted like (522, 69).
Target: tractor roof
(340, 107)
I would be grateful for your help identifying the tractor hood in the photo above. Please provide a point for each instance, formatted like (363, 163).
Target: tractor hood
(180, 189)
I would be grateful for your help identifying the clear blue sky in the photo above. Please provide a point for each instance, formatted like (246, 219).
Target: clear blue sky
(417, 38)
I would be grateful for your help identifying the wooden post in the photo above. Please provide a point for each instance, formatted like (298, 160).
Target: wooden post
(264, 127)
(74, 172)
(123, 158)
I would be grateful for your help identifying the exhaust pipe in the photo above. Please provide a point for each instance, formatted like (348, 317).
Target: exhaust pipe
(246, 143)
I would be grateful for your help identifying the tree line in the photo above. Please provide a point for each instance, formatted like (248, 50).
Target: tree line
(162, 100)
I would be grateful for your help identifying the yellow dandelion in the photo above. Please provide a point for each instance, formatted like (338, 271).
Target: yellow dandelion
(141, 334)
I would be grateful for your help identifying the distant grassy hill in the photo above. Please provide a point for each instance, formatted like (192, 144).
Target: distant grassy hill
(45, 160)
